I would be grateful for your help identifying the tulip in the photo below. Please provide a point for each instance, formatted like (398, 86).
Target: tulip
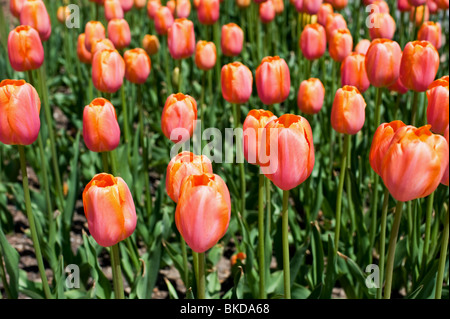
(15, 6)
(324, 11)
(273, 80)
(101, 130)
(178, 119)
(443, 4)
(403, 6)
(348, 110)
(126, 5)
(208, 11)
(438, 105)
(311, 94)
(205, 55)
(383, 27)
(83, 54)
(353, 72)
(383, 62)
(163, 20)
(311, 6)
(278, 5)
(431, 31)
(237, 81)
(338, 4)
(398, 87)
(298, 5)
(362, 46)
(171, 5)
(183, 8)
(243, 3)
(150, 43)
(25, 50)
(137, 65)
(62, 14)
(113, 10)
(19, 113)
(232, 39)
(102, 44)
(34, 13)
(139, 4)
(432, 6)
(334, 22)
(181, 166)
(419, 14)
(382, 6)
(119, 33)
(419, 65)
(181, 39)
(108, 70)
(445, 178)
(313, 41)
(266, 11)
(152, 7)
(94, 30)
(340, 45)
(416, 3)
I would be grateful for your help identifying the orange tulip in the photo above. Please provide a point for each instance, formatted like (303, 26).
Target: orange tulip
(293, 160)
(243, 3)
(203, 211)
(273, 80)
(152, 7)
(443, 4)
(183, 8)
(102, 44)
(313, 41)
(334, 22)
(208, 11)
(137, 65)
(383, 27)
(348, 111)
(15, 6)
(431, 31)
(445, 178)
(113, 10)
(278, 5)
(422, 14)
(83, 54)
(322, 15)
(171, 5)
(94, 30)
(353, 72)
(25, 50)
(101, 130)
(419, 65)
(383, 62)
(232, 39)
(34, 13)
(19, 113)
(109, 209)
(108, 70)
(414, 163)
(266, 11)
(181, 39)
(181, 166)
(163, 20)
(237, 81)
(178, 119)
(205, 55)
(139, 4)
(311, 94)
(62, 14)
(150, 43)
(239, 256)
(119, 33)
(362, 46)
(340, 45)
(338, 4)
(438, 105)
(253, 128)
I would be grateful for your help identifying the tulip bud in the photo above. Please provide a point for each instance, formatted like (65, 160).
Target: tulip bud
(152, 7)
(181, 39)
(348, 111)
(267, 11)
(34, 13)
(382, 6)
(237, 81)
(278, 5)
(239, 256)
(438, 105)
(419, 14)
(430, 31)
(353, 72)
(232, 39)
(322, 15)
(150, 43)
(15, 6)
(183, 8)
(137, 65)
(338, 4)
(313, 41)
(362, 46)
(102, 44)
(139, 4)
(311, 94)
(334, 22)
(113, 10)
(205, 55)
(340, 45)
(126, 5)
(311, 6)
(83, 54)
(178, 119)
(25, 50)
(94, 30)
(403, 6)
(445, 178)
(243, 3)
(383, 27)
(163, 20)
(109, 209)
(62, 14)
(119, 33)
(19, 113)
(108, 70)
(383, 62)
(273, 80)
(208, 11)
(181, 166)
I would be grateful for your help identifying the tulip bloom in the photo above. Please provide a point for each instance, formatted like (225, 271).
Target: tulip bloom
(362, 46)
(19, 113)
(266, 11)
(163, 20)
(383, 62)
(34, 13)
(83, 54)
(383, 27)
(398, 87)
(208, 11)
(62, 14)
(311, 95)
(237, 81)
(414, 163)
(109, 209)
(127, 5)
(348, 111)
(243, 3)
(108, 70)
(443, 4)
(232, 39)
(25, 50)
(137, 65)
(101, 130)
(253, 127)
(152, 7)
(181, 39)
(419, 14)
(102, 44)
(334, 22)
(183, 8)
(313, 41)
(338, 4)
(416, 3)
(273, 80)
(438, 105)
(181, 166)
(203, 211)
(419, 65)
(291, 151)
(119, 33)
(150, 43)
(311, 6)
(403, 6)
(15, 6)
(340, 45)
(353, 72)
(179, 116)
(431, 31)
(445, 178)
(205, 55)
(139, 4)
(278, 5)
(322, 15)
(113, 10)
(94, 31)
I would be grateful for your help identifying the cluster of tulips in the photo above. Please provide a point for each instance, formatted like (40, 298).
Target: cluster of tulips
(411, 160)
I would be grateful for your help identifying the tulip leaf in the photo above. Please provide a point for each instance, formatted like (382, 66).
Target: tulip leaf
(11, 262)
(331, 271)
(317, 253)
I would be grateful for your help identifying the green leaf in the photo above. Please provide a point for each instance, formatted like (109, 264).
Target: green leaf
(317, 254)
(331, 272)
(11, 260)
(172, 291)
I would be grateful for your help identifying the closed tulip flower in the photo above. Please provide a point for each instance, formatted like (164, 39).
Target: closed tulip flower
(340, 45)
(83, 54)
(171, 5)
(208, 11)
(384, 26)
(15, 6)
(438, 105)
(403, 6)
(163, 20)
(109, 209)
(232, 39)
(243, 3)
(101, 130)
(416, 3)
(419, 65)
(179, 117)
(94, 31)
(324, 11)
(102, 44)
(273, 80)
(311, 95)
(152, 7)
(34, 13)
(382, 6)
(203, 211)
(183, 8)
(431, 31)
(119, 33)
(181, 166)
(137, 65)
(353, 72)
(19, 113)
(108, 70)
(313, 41)
(25, 50)
(181, 39)
(348, 111)
(383, 62)
(150, 43)
(127, 5)
(253, 128)
(113, 10)
(311, 6)
(432, 6)
(205, 55)
(362, 46)
(62, 14)
(414, 163)
(445, 178)
(419, 14)
(334, 22)
(338, 4)
(139, 4)
(237, 81)
(266, 11)
(278, 5)
(443, 4)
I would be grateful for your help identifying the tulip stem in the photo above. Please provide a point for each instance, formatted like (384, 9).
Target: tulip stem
(379, 93)
(391, 249)
(105, 162)
(201, 276)
(442, 257)
(262, 270)
(269, 205)
(185, 262)
(117, 272)
(285, 243)
(125, 115)
(239, 155)
(374, 212)
(426, 244)
(33, 231)
(384, 212)
(414, 108)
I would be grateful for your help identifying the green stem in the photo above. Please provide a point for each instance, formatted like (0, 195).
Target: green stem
(125, 114)
(374, 212)
(113, 162)
(179, 64)
(185, 262)
(442, 258)
(341, 189)
(117, 272)
(105, 162)
(3, 276)
(201, 276)
(269, 205)
(414, 108)
(384, 212)
(379, 93)
(195, 264)
(239, 156)
(285, 243)
(426, 244)
(261, 236)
